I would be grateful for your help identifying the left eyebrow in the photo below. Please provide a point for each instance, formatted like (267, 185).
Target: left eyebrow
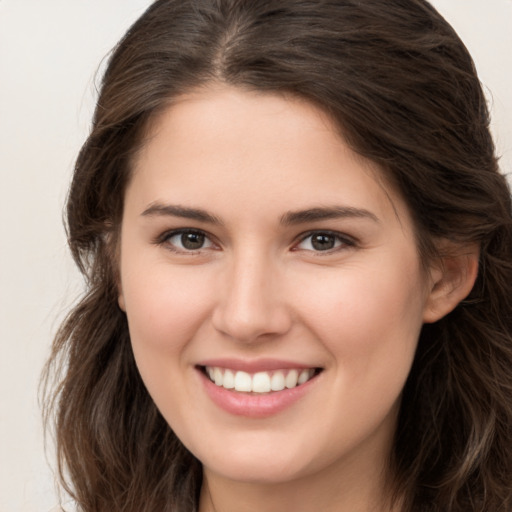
(326, 213)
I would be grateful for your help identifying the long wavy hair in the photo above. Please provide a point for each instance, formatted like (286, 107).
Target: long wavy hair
(403, 89)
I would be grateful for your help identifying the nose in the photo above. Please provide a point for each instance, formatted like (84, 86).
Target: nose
(251, 303)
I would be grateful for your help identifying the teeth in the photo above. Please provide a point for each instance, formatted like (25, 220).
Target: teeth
(277, 381)
(260, 382)
(303, 377)
(218, 378)
(243, 382)
(291, 379)
(229, 380)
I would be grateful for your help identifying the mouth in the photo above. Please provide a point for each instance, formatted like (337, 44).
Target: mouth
(259, 383)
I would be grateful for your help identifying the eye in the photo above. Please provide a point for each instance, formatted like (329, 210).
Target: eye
(187, 240)
(319, 241)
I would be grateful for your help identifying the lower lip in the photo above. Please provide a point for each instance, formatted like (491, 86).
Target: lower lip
(255, 405)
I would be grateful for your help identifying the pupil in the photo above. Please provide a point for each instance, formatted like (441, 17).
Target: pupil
(323, 242)
(192, 241)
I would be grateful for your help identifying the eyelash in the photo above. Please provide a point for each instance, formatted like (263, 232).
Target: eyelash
(342, 240)
(165, 238)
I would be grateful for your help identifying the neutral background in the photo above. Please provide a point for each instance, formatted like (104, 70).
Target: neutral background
(50, 51)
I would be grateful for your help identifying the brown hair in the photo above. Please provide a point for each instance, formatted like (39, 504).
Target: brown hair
(404, 91)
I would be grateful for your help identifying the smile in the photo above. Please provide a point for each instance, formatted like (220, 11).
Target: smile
(260, 382)
(257, 389)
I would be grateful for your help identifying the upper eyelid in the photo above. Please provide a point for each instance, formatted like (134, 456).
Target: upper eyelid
(163, 237)
(342, 236)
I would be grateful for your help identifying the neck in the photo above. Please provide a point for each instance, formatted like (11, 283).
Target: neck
(331, 490)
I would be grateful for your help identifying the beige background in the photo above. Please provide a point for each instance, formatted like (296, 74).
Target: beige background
(49, 52)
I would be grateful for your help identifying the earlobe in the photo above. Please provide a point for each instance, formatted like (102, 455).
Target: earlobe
(120, 301)
(452, 280)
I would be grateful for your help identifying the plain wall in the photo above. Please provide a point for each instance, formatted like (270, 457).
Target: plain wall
(49, 52)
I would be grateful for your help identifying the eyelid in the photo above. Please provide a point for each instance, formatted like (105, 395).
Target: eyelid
(163, 240)
(347, 241)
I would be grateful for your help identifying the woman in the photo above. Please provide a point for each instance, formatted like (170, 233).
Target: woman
(298, 251)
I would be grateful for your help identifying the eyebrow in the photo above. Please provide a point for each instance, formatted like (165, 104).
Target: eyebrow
(288, 219)
(171, 210)
(326, 213)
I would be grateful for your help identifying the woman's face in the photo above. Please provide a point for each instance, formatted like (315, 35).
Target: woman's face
(258, 248)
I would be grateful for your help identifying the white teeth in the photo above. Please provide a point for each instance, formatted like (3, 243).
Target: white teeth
(303, 377)
(229, 379)
(277, 381)
(260, 382)
(218, 377)
(291, 379)
(243, 382)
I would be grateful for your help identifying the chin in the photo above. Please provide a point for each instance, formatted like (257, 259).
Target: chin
(261, 462)
(260, 472)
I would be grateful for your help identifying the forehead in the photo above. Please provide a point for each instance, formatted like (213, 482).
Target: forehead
(227, 148)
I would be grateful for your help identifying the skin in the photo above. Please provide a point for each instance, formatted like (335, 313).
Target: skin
(259, 288)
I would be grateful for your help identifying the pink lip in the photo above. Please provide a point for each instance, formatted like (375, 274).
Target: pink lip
(258, 365)
(252, 405)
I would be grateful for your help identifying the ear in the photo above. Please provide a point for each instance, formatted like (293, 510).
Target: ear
(120, 300)
(112, 245)
(451, 279)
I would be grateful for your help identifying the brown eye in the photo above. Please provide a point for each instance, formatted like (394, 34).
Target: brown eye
(188, 240)
(192, 241)
(322, 241)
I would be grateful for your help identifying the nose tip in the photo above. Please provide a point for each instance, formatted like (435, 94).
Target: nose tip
(250, 309)
(249, 325)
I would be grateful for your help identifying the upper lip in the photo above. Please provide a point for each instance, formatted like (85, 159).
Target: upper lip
(256, 365)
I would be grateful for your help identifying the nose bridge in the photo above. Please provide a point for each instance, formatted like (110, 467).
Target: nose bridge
(250, 304)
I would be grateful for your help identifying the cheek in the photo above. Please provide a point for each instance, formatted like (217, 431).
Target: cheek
(166, 309)
(165, 306)
(370, 319)
(369, 322)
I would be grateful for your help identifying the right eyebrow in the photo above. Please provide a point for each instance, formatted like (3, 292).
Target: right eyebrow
(173, 210)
